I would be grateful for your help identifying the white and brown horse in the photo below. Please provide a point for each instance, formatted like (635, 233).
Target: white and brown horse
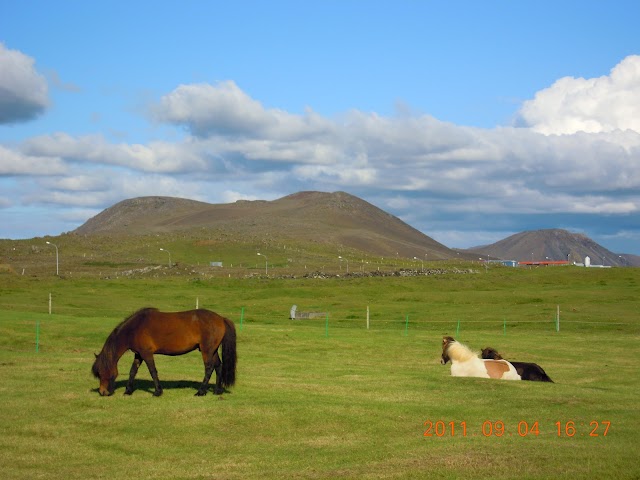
(526, 370)
(465, 363)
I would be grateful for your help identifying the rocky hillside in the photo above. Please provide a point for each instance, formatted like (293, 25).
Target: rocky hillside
(553, 244)
(336, 218)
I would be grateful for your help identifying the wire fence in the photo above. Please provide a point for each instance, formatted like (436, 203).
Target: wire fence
(337, 321)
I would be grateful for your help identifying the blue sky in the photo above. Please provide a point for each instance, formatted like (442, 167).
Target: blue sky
(469, 120)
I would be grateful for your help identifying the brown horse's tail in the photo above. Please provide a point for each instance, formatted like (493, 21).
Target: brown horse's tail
(229, 355)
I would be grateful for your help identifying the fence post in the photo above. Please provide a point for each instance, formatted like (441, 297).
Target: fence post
(37, 335)
(326, 325)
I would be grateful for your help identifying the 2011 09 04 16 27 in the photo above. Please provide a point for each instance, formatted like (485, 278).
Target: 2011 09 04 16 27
(522, 428)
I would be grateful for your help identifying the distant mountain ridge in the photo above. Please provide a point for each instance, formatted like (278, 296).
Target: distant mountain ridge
(554, 245)
(337, 218)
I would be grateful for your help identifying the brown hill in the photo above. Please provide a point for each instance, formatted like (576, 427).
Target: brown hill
(335, 218)
(633, 260)
(552, 244)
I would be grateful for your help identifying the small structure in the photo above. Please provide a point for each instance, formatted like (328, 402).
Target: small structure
(215, 264)
(506, 263)
(295, 315)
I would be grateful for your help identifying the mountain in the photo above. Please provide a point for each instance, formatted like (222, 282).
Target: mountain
(554, 245)
(331, 218)
(631, 259)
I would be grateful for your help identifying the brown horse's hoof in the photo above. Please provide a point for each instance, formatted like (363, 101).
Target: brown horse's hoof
(200, 393)
(157, 393)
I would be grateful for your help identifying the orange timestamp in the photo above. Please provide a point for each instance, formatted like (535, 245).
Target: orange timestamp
(523, 428)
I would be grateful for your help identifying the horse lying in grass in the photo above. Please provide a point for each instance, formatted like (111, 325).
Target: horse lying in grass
(149, 331)
(465, 363)
(527, 371)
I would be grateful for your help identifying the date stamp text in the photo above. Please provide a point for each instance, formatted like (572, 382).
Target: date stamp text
(522, 428)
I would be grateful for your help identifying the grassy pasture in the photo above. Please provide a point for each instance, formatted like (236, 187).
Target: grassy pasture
(353, 403)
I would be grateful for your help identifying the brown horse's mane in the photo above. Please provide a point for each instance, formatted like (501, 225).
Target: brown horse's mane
(108, 355)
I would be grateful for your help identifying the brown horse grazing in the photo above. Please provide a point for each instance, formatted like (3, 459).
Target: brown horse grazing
(149, 331)
(527, 371)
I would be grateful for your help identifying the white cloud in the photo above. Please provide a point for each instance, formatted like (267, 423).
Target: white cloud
(158, 156)
(275, 150)
(462, 169)
(230, 196)
(590, 105)
(224, 109)
(434, 174)
(23, 91)
(89, 181)
(14, 163)
(339, 175)
(79, 191)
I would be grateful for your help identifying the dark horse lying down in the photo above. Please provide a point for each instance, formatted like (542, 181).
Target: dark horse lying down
(527, 371)
(149, 331)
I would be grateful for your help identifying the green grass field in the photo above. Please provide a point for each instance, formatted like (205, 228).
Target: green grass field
(329, 399)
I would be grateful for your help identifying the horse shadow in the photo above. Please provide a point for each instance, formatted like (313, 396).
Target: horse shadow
(149, 387)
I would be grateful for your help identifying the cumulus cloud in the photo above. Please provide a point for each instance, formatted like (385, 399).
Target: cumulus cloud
(94, 180)
(591, 105)
(437, 176)
(109, 188)
(15, 163)
(23, 90)
(158, 156)
(463, 169)
(224, 109)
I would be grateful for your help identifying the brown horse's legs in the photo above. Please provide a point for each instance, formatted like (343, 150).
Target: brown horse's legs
(209, 366)
(151, 365)
(132, 374)
(217, 365)
(205, 383)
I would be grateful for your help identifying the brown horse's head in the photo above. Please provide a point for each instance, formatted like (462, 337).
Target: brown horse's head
(106, 371)
(491, 354)
(446, 341)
